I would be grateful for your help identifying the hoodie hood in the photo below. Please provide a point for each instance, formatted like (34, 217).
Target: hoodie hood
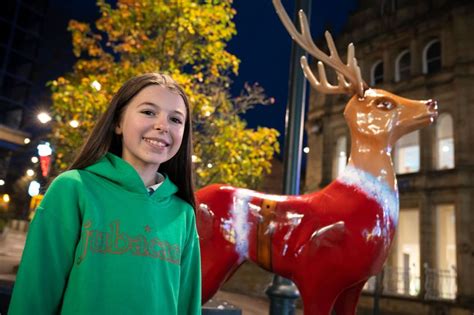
(119, 172)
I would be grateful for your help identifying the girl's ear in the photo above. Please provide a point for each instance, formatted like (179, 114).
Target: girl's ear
(118, 129)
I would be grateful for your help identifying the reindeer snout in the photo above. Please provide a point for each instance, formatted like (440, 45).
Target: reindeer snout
(432, 105)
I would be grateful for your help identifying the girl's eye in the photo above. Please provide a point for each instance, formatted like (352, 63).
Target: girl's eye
(176, 120)
(148, 112)
(385, 104)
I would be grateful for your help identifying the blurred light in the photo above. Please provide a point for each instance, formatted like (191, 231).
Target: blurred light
(306, 150)
(34, 159)
(44, 117)
(33, 189)
(2, 182)
(194, 158)
(96, 85)
(6, 198)
(44, 149)
(30, 172)
(74, 123)
(26, 140)
(209, 165)
(445, 148)
(207, 113)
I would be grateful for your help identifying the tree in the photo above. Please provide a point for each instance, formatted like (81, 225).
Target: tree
(186, 39)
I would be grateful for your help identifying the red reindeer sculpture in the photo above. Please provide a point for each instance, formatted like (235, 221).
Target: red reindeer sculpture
(328, 242)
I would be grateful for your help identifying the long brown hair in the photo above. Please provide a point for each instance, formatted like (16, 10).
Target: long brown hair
(103, 138)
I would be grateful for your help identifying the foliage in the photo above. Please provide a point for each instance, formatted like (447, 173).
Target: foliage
(186, 39)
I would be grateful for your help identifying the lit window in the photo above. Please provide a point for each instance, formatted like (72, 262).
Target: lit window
(432, 57)
(443, 276)
(402, 66)
(444, 142)
(402, 274)
(376, 73)
(407, 153)
(339, 160)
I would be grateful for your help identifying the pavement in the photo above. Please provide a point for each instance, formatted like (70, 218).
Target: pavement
(12, 242)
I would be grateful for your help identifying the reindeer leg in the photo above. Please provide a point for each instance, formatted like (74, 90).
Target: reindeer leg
(346, 302)
(317, 299)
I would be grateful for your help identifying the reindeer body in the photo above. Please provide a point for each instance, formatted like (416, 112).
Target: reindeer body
(325, 242)
(328, 242)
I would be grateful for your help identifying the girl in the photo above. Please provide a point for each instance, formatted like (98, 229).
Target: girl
(113, 235)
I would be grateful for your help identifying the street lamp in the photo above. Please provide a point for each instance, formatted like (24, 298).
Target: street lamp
(44, 117)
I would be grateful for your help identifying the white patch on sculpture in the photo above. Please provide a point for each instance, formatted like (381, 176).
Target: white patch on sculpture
(239, 214)
(374, 189)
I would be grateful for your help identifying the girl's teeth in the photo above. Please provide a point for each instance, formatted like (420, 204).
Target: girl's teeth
(157, 143)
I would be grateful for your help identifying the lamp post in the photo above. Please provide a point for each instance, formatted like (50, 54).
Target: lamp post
(282, 292)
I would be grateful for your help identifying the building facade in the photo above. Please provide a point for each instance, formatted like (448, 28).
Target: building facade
(21, 23)
(418, 50)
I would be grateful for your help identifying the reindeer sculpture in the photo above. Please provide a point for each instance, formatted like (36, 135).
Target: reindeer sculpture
(328, 242)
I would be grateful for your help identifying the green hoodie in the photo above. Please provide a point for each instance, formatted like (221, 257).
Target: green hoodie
(100, 244)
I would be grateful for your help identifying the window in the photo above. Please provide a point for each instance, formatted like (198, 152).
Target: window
(376, 73)
(442, 278)
(432, 57)
(402, 66)
(407, 153)
(402, 275)
(339, 160)
(444, 142)
(446, 250)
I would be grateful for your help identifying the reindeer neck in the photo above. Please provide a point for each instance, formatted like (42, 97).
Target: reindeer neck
(373, 158)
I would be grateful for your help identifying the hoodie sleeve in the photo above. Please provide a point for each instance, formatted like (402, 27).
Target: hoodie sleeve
(189, 300)
(49, 250)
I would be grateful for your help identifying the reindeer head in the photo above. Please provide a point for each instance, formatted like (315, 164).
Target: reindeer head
(371, 112)
(385, 117)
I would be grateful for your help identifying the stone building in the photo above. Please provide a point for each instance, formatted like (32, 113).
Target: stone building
(419, 50)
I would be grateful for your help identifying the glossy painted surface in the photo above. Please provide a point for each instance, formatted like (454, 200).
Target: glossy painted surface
(328, 242)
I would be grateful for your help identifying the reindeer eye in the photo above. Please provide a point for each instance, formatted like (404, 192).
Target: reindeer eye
(385, 105)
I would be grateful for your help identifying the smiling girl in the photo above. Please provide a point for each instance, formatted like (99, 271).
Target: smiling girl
(116, 234)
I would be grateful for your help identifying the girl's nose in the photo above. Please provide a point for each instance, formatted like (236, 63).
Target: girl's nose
(161, 124)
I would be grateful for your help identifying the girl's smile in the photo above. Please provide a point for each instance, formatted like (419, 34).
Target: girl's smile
(157, 143)
(152, 127)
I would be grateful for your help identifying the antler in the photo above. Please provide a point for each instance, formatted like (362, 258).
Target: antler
(348, 75)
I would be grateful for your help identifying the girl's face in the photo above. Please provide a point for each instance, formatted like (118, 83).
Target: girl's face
(152, 127)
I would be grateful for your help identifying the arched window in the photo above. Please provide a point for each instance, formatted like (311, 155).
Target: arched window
(444, 142)
(339, 159)
(407, 153)
(376, 73)
(432, 57)
(402, 66)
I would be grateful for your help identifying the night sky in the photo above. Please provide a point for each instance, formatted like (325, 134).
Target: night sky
(262, 44)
